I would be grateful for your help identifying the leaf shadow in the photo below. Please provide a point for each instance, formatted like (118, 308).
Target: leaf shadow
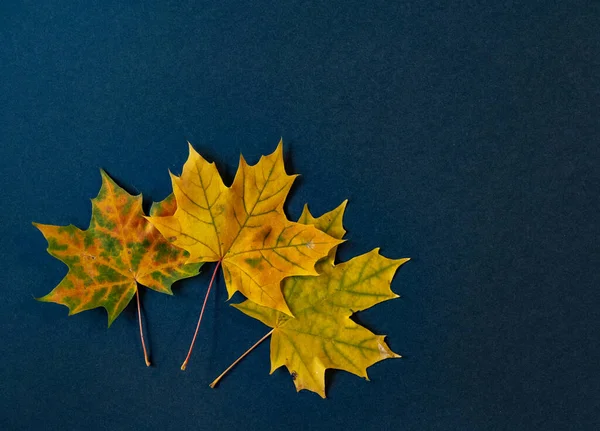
(288, 161)
(189, 290)
(192, 292)
(94, 315)
(331, 379)
(365, 322)
(215, 306)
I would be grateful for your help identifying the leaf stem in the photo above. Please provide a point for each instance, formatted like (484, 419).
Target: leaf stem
(184, 365)
(216, 381)
(137, 297)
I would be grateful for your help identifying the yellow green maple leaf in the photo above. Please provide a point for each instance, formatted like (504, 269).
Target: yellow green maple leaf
(243, 227)
(119, 250)
(322, 335)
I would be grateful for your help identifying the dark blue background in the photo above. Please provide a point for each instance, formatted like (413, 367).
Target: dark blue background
(465, 136)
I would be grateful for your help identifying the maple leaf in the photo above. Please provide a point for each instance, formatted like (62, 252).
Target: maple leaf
(119, 250)
(322, 335)
(243, 227)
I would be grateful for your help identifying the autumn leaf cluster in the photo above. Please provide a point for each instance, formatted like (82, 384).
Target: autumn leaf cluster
(285, 269)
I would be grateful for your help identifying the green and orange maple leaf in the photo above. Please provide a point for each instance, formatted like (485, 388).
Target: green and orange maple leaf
(321, 334)
(119, 250)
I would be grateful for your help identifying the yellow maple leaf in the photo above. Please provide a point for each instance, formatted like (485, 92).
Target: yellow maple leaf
(243, 227)
(322, 335)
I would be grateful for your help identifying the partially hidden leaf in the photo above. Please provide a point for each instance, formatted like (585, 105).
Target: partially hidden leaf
(322, 335)
(119, 250)
(243, 227)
